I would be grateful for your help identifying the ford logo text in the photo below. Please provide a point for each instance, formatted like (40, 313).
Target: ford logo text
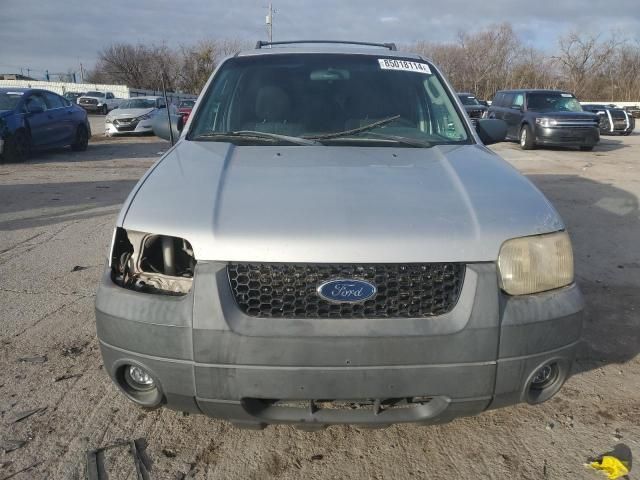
(346, 290)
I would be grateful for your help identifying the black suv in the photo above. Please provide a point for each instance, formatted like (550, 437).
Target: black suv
(545, 117)
(472, 105)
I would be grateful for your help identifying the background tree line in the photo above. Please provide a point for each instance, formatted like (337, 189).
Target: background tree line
(594, 67)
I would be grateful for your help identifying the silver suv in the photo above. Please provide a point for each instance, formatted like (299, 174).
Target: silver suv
(330, 241)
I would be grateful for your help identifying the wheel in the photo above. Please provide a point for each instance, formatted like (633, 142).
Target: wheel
(17, 147)
(82, 139)
(526, 138)
(105, 109)
(586, 149)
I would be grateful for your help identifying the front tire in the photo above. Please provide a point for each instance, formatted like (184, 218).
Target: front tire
(526, 138)
(17, 147)
(82, 139)
(105, 109)
(586, 149)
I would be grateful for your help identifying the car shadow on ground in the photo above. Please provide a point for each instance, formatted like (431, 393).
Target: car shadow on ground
(53, 203)
(104, 149)
(604, 226)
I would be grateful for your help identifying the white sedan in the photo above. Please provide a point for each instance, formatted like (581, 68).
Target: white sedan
(134, 116)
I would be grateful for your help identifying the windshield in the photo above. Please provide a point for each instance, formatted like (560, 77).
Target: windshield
(187, 103)
(138, 103)
(8, 100)
(335, 96)
(94, 94)
(468, 100)
(552, 102)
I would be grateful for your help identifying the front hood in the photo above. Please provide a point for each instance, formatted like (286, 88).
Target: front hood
(337, 204)
(129, 112)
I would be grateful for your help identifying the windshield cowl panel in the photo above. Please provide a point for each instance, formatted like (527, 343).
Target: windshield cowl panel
(324, 96)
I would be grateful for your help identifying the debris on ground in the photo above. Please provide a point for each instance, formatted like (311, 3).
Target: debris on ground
(38, 359)
(615, 464)
(73, 350)
(168, 453)
(78, 268)
(9, 445)
(318, 456)
(97, 469)
(67, 377)
(611, 466)
(18, 417)
(22, 470)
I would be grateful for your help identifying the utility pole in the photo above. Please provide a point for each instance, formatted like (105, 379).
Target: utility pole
(269, 23)
(81, 73)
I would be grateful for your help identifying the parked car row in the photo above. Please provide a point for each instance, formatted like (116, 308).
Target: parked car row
(34, 119)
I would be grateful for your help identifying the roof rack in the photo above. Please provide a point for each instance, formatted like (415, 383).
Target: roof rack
(390, 46)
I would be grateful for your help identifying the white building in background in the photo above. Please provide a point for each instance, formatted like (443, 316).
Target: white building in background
(120, 91)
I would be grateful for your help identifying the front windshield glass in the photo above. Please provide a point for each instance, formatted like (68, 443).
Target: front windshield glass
(137, 103)
(187, 103)
(553, 102)
(94, 94)
(316, 95)
(8, 100)
(468, 100)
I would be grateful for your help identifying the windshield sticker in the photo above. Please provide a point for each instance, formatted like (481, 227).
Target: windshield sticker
(566, 95)
(15, 93)
(404, 65)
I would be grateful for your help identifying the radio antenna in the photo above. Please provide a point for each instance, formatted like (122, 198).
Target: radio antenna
(166, 105)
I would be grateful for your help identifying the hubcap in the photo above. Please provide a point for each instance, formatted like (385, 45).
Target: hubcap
(523, 137)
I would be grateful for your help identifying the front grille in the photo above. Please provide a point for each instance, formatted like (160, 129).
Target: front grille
(89, 101)
(410, 290)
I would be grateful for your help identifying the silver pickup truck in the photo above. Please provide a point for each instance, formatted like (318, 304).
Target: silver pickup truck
(330, 241)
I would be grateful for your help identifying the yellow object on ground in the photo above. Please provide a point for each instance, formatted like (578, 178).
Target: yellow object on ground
(613, 467)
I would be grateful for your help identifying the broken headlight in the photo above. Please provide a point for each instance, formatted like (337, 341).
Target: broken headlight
(152, 263)
(536, 263)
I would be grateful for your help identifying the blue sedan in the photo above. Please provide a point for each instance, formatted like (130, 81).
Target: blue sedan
(32, 119)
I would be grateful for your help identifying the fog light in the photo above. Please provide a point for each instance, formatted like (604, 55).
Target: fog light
(544, 376)
(138, 378)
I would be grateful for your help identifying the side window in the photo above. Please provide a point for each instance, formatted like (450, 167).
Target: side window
(36, 99)
(508, 100)
(160, 103)
(109, 96)
(53, 100)
(518, 101)
(497, 101)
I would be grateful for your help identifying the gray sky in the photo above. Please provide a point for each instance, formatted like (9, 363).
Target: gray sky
(59, 34)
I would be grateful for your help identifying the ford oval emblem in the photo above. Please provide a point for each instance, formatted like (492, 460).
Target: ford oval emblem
(347, 290)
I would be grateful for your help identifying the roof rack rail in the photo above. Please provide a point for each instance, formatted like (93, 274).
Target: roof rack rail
(390, 46)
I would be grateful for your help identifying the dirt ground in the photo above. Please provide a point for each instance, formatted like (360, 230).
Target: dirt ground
(56, 218)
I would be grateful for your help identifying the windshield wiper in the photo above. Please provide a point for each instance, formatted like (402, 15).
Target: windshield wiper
(222, 136)
(412, 142)
(353, 131)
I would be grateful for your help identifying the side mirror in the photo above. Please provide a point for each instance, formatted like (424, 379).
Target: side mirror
(160, 126)
(491, 130)
(35, 108)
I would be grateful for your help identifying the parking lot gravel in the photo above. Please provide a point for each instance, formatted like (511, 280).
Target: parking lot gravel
(57, 213)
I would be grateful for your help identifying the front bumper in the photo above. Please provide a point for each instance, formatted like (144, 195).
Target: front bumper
(136, 128)
(568, 136)
(208, 357)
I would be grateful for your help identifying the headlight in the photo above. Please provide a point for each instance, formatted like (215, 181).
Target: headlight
(535, 264)
(546, 122)
(146, 116)
(149, 263)
(108, 120)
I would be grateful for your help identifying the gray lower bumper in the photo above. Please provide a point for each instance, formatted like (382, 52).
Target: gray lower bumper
(207, 357)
